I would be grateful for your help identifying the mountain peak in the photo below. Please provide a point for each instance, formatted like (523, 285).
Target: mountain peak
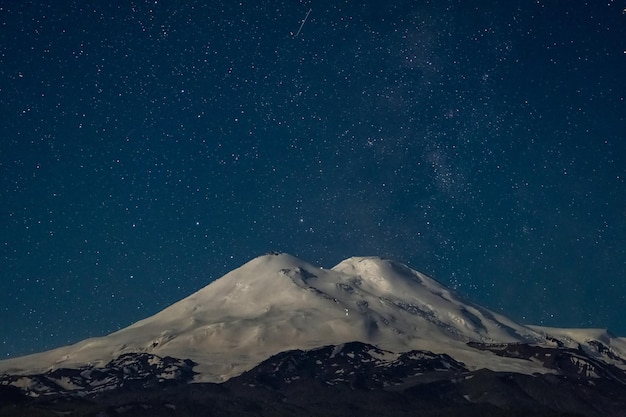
(385, 275)
(275, 258)
(277, 302)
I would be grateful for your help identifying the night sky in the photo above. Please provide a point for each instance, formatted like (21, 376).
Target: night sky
(147, 148)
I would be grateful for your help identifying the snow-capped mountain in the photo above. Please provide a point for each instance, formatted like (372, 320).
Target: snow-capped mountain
(276, 303)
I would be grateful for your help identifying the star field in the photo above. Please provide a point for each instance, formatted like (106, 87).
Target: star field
(148, 148)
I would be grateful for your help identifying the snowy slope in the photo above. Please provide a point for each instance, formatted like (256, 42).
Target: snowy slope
(277, 302)
(597, 343)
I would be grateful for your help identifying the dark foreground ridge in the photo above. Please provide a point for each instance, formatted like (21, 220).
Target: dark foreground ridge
(355, 379)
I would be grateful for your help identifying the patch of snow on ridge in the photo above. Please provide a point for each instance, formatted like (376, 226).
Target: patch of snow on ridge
(599, 343)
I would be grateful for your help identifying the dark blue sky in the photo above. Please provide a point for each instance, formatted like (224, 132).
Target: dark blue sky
(147, 148)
